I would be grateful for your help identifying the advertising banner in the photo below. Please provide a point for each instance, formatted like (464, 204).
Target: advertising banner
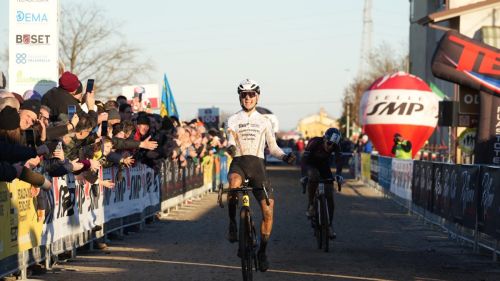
(473, 64)
(416, 187)
(489, 204)
(427, 185)
(402, 173)
(209, 116)
(467, 62)
(138, 189)
(442, 177)
(365, 166)
(150, 98)
(21, 228)
(172, 185)
(384, 171)
(450, 176)
(374, 168)
(77, 205)
(464, 196)
(33, 45)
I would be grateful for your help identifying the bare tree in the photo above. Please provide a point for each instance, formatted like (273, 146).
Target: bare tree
(4, 61)
(87, 48)
(383, 60)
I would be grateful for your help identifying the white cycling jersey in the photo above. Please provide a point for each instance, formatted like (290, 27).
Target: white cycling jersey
(250, 133)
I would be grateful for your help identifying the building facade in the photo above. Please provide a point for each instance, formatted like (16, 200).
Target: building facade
(316, 125)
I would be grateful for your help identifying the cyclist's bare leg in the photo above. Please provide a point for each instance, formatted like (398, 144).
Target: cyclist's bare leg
(311, 190)
(267, 217)
(265, 232)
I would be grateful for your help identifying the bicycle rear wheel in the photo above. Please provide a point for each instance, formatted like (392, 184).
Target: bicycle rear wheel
(324, 223)
(246, 244)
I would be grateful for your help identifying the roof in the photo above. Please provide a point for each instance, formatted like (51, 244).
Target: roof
(456, 12)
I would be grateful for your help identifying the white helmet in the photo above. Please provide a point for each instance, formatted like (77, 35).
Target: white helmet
(248, 85)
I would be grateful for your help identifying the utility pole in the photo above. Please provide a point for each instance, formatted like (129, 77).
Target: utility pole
(366, 40)
(348, 119)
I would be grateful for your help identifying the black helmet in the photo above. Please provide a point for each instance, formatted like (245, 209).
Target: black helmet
(333, 135)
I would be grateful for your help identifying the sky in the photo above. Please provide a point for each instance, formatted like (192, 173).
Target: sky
(302, 53)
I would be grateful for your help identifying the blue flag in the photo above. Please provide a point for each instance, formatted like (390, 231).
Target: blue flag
(168, 106)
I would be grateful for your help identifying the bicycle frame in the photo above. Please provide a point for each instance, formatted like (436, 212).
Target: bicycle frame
(247, 233)
(321, 219)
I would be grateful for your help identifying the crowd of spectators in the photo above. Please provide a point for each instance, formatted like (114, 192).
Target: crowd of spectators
(41, 137)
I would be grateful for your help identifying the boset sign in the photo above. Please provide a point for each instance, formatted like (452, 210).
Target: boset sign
(33, 45)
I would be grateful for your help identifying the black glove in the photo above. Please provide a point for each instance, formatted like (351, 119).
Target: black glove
(231, 150)
(289, 158)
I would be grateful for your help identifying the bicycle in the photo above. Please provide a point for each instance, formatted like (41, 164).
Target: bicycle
(247, 235)
(321, 218)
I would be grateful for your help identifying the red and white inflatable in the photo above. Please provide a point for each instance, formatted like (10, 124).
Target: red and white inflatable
(398, 103)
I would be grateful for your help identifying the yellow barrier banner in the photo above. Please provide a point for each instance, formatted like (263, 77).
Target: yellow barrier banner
(365, 166)
(208, 166)
(21, 229)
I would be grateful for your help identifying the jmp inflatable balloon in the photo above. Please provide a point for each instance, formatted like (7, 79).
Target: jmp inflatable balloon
(398, 103)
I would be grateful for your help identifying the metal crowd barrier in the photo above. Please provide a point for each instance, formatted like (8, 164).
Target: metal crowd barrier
(463, 200)
(38, 225)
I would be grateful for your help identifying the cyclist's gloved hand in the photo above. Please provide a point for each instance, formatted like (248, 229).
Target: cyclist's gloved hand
(231, 150)
(339, 179)
(289, 158)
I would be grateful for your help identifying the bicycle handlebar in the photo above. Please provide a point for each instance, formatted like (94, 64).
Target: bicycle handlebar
(328, 181)
(240, 189)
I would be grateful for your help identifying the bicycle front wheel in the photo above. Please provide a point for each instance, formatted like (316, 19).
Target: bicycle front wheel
(246, 244)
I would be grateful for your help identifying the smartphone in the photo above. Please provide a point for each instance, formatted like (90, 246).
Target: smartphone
(90, 86)
(140, 97)
(104, 128)
(30, 137)
(59, 146)
(71, 111)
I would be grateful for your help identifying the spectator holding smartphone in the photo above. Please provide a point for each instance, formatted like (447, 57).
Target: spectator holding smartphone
(69, 92)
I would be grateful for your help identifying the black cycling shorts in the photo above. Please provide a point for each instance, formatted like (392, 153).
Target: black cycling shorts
(252, 168)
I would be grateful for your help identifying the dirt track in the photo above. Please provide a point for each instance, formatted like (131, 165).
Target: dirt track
(377, 240)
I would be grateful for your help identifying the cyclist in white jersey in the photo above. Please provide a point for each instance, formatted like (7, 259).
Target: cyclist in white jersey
(248, 133)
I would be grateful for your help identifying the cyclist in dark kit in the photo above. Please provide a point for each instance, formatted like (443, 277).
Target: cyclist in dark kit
(248, 133)
(316, 165)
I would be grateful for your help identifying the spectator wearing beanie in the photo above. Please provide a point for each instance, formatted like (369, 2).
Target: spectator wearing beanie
(69, 92)
(12, 152)
(28, 113)
(142, 128)
(9, 126)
